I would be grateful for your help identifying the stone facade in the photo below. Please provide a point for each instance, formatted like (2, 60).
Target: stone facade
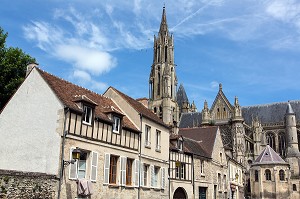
(26, 185)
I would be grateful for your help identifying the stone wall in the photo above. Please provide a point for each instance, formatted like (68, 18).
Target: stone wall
(27, 185)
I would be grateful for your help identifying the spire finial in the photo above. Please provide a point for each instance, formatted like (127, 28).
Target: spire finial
(220, 86)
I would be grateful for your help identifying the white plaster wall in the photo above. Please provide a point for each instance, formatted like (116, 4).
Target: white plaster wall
(29, 126)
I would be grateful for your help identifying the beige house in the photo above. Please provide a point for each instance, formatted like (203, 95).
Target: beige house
(48, 118)
(211, 175)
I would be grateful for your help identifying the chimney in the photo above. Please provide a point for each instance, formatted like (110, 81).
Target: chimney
(30, 67)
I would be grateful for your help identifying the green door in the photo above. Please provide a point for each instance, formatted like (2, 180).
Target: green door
(202, 192)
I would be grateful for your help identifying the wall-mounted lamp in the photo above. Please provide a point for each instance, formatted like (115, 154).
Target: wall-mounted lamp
(75, 157)
(236, 177)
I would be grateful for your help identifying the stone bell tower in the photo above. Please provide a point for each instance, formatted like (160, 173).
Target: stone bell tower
(163, 80)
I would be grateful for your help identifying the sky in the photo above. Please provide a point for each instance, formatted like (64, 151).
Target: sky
(251, 47)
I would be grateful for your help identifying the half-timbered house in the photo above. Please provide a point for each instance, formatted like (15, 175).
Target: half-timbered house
(48, 119)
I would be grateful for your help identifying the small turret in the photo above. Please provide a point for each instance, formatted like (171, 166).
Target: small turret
(205, 114)
(237, 115)
(291, 132)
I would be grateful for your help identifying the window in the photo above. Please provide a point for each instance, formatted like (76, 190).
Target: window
(180, 171)
(202, 167)
(180, 145)
(82, 165)
(147, 135)
(256, 176)
(157, 140)
(145, 174)
(113, 169)
(281, 175)
(294, 187)
(270, 138)
(225, 183)
(268, 174)
(87, 115)
(281, 144)
(116, 127)
(219, 181)
(129, 172)
(154, 176)
(78, 170)
(156, 173)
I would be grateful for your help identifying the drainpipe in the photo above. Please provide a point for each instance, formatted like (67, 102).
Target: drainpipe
(193, 176)
(169, 174)
(140, 158)
(66, 110)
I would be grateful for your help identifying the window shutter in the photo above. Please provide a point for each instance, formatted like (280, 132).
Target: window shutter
(94, 164)
(152, 175)
(72, 167)
(123, 171)
(142, 175)
(136, 172)
(106, 168)
(163, 173)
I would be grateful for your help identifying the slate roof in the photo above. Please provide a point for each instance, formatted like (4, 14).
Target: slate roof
(190, 120)
(205, 136)
(181, 96)
(140, 108)
(270, 113)
(69, 94)
(189, 146)
(268, 156)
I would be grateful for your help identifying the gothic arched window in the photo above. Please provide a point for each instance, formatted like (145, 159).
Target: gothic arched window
(270, 138)
(268, 174)
(281, 175)
(281, 144)
(256, 176)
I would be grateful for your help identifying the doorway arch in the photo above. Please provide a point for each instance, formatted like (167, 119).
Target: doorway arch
(180, 193)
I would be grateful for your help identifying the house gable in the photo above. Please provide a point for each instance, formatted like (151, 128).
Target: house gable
(32, 121)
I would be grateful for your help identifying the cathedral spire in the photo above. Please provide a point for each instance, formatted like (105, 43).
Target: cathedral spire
(163, 30)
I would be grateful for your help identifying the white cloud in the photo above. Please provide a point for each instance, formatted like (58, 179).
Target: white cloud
(91, 60)
(214, 84)
(82, 75)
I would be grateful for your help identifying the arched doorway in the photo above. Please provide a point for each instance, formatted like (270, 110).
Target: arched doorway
(180, 193)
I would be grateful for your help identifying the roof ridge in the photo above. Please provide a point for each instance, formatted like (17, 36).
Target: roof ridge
(69, 82)
(271, 104)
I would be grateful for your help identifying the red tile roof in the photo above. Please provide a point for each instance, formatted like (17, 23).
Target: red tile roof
(69, 94)
(140, 108)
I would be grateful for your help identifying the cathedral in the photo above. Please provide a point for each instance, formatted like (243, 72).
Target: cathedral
(246, 131)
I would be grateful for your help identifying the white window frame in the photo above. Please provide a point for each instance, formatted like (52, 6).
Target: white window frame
(76, 165)
(158, 137)
(147, 136)
(145, 176)
(87, 119)
(117, 124)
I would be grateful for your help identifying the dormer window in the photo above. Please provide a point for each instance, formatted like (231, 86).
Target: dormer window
(87, 114)
(116, 126)
(180, 145)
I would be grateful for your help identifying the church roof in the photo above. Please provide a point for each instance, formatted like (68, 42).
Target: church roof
(69, 94)
(205, 136)
(268, 156)
(270, 113)
(190, 120)
(181, 95)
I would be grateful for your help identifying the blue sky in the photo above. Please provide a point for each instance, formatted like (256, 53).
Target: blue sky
(251, 47)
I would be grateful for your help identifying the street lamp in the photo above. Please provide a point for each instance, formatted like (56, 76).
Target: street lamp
(75, 156)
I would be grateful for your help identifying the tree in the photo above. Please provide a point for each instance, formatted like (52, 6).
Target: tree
(13, 62)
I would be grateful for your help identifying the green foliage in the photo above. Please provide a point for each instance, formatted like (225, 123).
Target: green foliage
(13, 62)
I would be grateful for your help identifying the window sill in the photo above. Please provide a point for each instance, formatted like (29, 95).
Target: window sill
(113, 186)
(202, 175)
(156, 189)
(85, 123)
(146, 188)
(129, 187)
(158, 150)
(148, 146)
(116, 132)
